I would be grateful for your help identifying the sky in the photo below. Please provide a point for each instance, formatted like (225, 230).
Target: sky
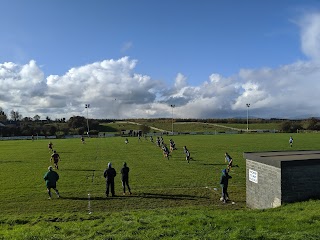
(160, 58)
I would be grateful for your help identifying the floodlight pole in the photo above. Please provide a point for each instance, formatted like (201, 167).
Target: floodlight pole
(248, 105)
(172, 106)
(87, 107)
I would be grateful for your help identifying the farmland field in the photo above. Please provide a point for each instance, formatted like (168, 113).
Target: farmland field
(171, 198)
(197, 126)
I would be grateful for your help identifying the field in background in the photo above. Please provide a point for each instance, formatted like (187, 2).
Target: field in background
(171, 198)
(182, 127)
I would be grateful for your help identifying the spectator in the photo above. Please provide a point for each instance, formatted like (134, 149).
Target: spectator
(125, 178)
(109, 175)
(224, 181)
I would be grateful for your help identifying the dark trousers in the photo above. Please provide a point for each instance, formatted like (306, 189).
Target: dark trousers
(110, 184)
(225, 194)
(125, 182)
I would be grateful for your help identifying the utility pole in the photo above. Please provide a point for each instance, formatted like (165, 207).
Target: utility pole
(248, 105)
(87, 107)
(172, 106)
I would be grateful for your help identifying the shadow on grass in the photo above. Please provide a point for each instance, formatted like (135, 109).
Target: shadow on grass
(82, 170)
(170, 196)
(141, 195)
(83, 198)
(98, 198)
(214, 164)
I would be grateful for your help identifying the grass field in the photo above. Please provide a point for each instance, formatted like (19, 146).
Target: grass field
(171, 198)
(186, 126)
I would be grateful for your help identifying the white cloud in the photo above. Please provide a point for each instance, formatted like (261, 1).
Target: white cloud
(115, 90)
(180, 82)
(126, 46)
(310, 35)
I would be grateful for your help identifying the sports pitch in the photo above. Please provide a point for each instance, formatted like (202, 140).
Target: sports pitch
(155, 181)
(167, 194)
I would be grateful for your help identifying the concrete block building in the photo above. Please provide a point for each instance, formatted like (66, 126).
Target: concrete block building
(273, 178)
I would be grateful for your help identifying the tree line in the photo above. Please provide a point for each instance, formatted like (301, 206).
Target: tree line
(17, 125)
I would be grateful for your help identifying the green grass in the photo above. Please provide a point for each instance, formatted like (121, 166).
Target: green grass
(255, 126)
(178, 223)
(188, 126)
(170, 198)
(116, 127)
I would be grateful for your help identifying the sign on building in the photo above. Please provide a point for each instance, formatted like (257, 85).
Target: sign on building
(253, 176)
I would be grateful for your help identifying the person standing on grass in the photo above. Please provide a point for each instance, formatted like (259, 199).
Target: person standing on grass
(56, 158)
(224, 181)
(125, 178)
(109, 174)
(51, 177)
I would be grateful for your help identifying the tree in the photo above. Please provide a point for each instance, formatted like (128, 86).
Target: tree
(77, 122)
(36, 118)
(312, 124)
(145, 129)
(61, 120)
(296, 126)
(3, 116)
(27, 119)
(15, 115)
(290, 126)
(48, 119)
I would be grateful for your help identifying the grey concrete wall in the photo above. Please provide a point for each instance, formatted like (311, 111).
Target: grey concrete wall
(300, 182)
(267, 192)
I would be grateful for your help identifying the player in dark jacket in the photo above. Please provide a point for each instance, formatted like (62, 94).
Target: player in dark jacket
(125, 178)
(224, 181)
(55, 157)
(109, 175)
(50, 146)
